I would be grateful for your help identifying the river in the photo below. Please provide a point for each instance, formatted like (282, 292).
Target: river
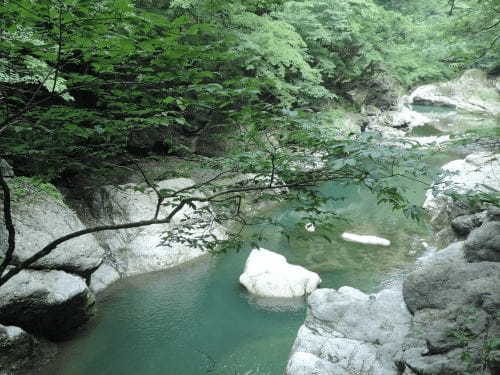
(196, 319)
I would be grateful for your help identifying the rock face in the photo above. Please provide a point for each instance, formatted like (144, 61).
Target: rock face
(479, 172)
(19, 351)
(473, 92)
(141, 250)
(268, 274)
(41, 219)
(443, 326)
(483, 244)
(454, 305)
(47, 303)
(348, 332)
(443, 321)
(103, 277)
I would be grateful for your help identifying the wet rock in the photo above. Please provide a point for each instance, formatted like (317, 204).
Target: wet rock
(268, 274)
(51, 304)
(40, 219)
(21, 352)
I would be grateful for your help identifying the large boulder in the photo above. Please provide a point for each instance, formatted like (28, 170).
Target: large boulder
(40, 219)
(153, 247)
(51, 304)
(268, 274)
(483, 244)
(348, 332)
(21, 352)
(478, 172)
(472, 92)
(454, 305)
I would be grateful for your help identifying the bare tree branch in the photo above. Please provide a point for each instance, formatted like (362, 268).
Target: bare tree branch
(9, 225)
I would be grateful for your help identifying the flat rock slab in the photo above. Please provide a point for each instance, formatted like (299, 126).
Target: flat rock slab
(268, 274)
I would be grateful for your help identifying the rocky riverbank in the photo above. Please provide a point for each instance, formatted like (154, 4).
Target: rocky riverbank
(443, 319)
(51, 300)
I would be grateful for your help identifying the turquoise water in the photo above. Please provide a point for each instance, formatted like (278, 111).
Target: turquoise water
(196, 319)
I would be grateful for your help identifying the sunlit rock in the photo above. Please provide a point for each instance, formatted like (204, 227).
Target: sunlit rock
(268, 274)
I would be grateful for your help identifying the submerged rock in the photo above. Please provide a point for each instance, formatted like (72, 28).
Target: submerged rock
(268, 274)
(51, 304)
(366, 240)
(153, 247)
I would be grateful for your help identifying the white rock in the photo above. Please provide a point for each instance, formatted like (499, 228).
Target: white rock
(141, 250)
(475, 173)
(310, 227)
(366, 240)
(268, 274)
(407, 117)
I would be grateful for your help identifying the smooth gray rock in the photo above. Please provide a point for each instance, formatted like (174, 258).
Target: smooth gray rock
(51, 304)
(40, 219)
(483, 244)
(349, 332)
(144, 249)
(21, 352)
(103, 277)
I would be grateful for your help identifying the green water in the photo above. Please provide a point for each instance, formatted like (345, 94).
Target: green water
(196, 319)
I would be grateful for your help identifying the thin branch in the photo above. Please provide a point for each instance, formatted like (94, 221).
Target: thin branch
(159, 196)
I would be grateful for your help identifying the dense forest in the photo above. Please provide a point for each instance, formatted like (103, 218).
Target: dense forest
(104, 78)
(136, 135)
